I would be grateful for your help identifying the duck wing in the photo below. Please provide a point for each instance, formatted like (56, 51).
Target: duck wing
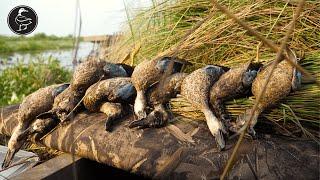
(22, 19)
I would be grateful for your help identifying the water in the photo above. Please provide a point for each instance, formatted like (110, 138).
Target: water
(64, 56)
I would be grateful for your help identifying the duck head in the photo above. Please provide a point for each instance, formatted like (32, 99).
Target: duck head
(21, 10)
(212, 70)
(252, 70)
(115, 70)
(248, 77)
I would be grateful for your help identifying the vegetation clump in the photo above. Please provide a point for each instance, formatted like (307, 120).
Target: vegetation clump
(21, 79)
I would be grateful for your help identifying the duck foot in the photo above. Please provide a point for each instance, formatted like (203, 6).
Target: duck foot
(153, 120)
(109, 124)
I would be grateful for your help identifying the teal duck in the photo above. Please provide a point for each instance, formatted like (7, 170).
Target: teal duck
(158, 96)
(196, 88)
(234, 83)
(148, 73)
(34, 104)
(110, 96)
(284, 80)
(86, 74)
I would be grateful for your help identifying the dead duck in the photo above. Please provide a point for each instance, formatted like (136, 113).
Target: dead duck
(110, 96)
(86, 74)
(284, 80)
(90, 72)
(34, 104)
(234, 83)
(195, 88)
(158, 96)
(148, 73)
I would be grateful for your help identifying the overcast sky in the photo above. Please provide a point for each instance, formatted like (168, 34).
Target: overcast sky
(57, 16)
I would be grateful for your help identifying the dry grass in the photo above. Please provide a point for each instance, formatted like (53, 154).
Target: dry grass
(43, 152)
(222, 41)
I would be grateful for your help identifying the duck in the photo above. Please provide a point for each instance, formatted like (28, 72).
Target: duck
(90, 72)
(22, 20)
(148, 73)
(195, 88)
(34, 104)
(234, 83)
(85, 75)
(285, 79)
(111, 97)
(158, 96)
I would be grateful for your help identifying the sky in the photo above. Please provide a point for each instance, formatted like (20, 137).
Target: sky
(57, 17)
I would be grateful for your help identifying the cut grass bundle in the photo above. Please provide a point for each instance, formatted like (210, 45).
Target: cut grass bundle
(222, 41)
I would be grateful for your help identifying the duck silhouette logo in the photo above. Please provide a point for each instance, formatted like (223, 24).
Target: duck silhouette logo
(22, 20)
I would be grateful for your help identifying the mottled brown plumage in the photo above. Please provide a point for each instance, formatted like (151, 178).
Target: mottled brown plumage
(284, 79)
(148, 73)
(234, 83)
(109, 96)
(64, 103)
(86, 74)
(195, 88)
(34, 104)
(158, 96)
(169, 88)
(119, 89)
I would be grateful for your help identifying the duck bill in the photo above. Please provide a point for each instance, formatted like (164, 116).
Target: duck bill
(25, 134)
(46, 115)
(109, 124)
(138, 123)
(8, 158)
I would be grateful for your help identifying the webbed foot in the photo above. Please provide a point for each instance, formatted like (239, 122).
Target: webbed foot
(155, 119)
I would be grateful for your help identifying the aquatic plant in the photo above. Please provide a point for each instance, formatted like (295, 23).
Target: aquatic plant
(21, 79)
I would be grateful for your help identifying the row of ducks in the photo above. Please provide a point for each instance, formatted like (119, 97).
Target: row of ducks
(112, 88)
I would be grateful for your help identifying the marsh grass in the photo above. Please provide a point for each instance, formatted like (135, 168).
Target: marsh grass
(222, 41)
(38, 42)
(20, 79)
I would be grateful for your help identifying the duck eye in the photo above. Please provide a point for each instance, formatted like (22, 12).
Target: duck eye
(80, 89)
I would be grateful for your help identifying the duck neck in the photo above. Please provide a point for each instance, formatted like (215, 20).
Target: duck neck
(140, 103)
(212, 121)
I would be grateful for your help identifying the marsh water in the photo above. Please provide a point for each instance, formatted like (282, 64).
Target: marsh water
(64, 56)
